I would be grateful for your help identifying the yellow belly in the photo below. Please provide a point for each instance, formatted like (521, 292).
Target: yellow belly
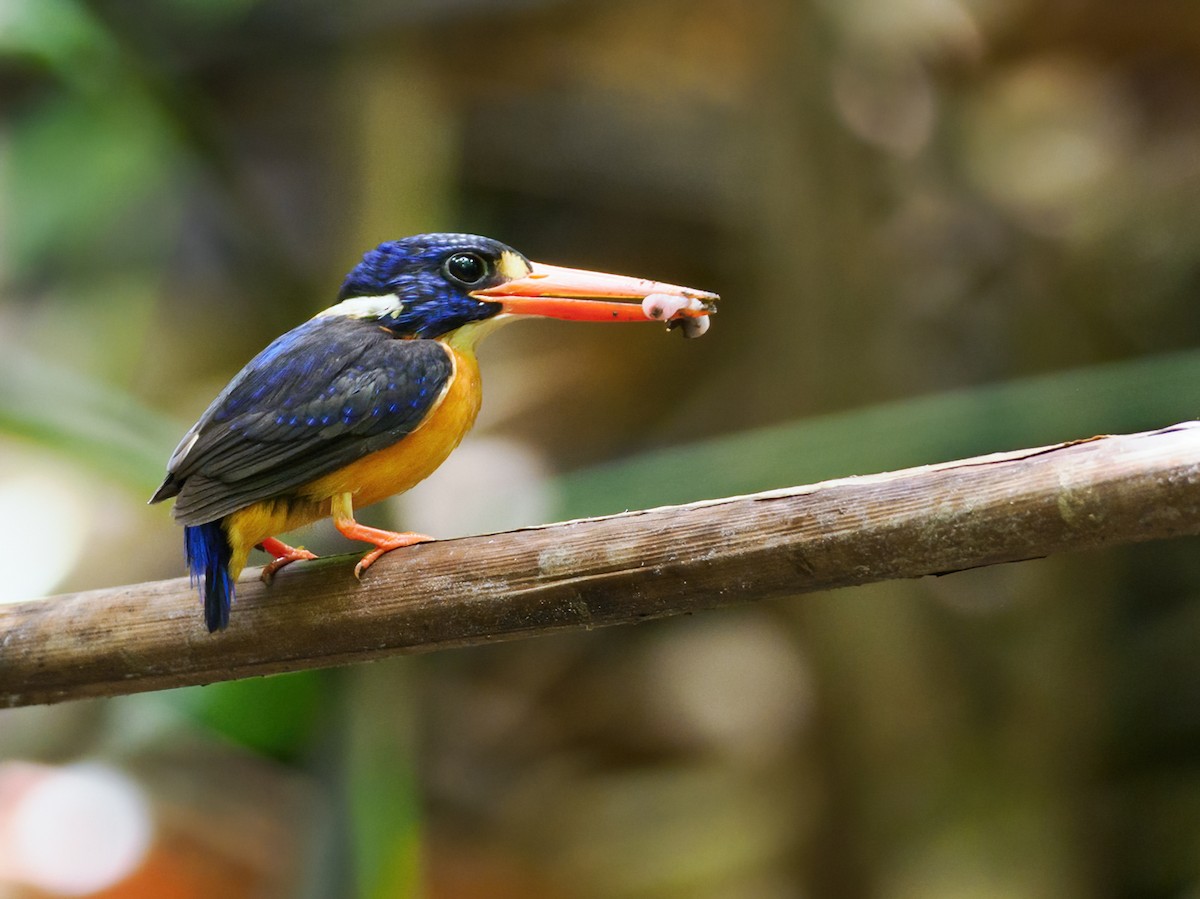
(381, 474)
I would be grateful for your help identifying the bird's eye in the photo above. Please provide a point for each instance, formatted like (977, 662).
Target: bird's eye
(467, 269)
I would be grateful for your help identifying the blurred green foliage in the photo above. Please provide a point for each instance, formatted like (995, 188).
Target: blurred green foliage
(96, 425)
(1114, 398)
(275, 716)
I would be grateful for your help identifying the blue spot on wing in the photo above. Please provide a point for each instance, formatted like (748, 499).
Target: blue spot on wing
(275, 427)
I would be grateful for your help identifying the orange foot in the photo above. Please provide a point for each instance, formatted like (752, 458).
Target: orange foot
(284, 555)
(383, 541)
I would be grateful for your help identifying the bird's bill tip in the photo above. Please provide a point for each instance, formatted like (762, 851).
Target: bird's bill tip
(573, 294)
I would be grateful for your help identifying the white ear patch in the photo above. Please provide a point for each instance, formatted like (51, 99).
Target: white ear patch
(512, 266)
(365, 307)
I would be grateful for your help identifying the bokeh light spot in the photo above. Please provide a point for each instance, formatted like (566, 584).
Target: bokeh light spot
(80, 830)
(43, 530)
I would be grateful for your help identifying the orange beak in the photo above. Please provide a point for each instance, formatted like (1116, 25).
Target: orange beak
(578, 295)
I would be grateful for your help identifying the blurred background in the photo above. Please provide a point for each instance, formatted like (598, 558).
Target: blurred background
(940, 228)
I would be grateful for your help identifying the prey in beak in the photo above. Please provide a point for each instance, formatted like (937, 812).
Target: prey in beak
(570, 294)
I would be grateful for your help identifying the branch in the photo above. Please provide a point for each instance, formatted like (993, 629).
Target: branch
(615, 570)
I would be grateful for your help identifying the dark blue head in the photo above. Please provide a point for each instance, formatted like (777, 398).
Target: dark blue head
(433, 284)
(423, 284)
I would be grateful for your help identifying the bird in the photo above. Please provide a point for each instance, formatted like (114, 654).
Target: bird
(370, 396)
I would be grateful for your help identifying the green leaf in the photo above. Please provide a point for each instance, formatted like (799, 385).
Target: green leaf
(105, 204)
(98, 425)
(1114, 398)
(272, 715)
(60, 34)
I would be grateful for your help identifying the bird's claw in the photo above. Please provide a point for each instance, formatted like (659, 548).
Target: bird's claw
(399, 542)
(368, 560)
(297, 554)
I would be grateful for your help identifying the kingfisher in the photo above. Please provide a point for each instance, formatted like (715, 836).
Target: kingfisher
(368, 397)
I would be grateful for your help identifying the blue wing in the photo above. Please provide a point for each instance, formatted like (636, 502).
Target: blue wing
(320, 397)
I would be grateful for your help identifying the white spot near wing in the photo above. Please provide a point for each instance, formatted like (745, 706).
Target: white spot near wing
(365, 307)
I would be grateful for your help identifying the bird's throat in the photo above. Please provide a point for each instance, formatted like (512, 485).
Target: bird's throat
(465, 339)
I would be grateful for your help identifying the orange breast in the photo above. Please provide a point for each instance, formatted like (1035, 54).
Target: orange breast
(372, 478)
(412, 459)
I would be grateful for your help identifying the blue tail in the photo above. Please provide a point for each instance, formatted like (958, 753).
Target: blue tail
(208, 555)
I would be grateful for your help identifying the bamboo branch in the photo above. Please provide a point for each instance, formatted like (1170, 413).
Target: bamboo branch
(624, 568)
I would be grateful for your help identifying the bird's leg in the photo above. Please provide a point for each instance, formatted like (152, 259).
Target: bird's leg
(284, 555)
(383, 541)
